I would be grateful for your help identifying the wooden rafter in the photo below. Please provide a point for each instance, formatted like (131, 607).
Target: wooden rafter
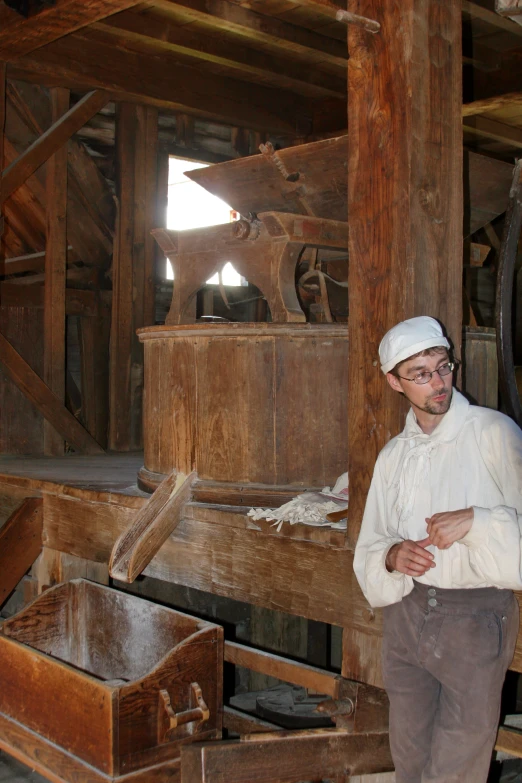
(491, 129)
(490, 17)
(21, 36)
(160, 35)
(36, 391)
(26, 164)
(79, 61)
(269, 30)
(492, 104)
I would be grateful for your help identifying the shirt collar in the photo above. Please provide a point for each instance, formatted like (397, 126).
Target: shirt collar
(449, 427)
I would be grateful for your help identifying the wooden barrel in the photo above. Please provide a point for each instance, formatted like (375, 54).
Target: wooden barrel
(257, 403)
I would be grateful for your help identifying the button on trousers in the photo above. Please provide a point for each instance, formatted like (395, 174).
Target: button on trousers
(445, 656)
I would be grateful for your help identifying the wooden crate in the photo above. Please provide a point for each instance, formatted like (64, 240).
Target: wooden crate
(97, 685)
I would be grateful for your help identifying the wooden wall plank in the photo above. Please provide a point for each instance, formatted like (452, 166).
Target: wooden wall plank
(404, 206)
(133, 272)
(21, 424)
(55, 272)
(44, 400)
(20, 544)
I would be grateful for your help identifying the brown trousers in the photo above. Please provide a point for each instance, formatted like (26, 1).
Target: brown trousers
(445, 656)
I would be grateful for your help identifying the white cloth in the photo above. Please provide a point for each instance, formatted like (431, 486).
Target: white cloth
(409, 338)
(472, 458)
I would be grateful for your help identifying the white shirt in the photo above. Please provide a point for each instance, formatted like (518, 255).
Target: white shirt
(472, 458)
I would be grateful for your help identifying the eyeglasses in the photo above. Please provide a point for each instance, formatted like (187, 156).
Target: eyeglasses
(425, 377)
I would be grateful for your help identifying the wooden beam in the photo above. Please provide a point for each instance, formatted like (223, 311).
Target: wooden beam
(491, 129)
(405, 223)
(55, 271)
(20, 544)
(85, 304)
(510, 8)
(269, 30)
(91, 208)
(79, 61)
(133, 270)
(30, 262)
(153, 524)
(21, 36)
(158, 36)
(51, 141)
(2, 130)
(284, 669)
(94, 338)
(286, 757)
(490, 17)
(242, 723)
(45, 401)
(492, 104)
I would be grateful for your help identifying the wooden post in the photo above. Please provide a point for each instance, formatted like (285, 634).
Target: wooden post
(2, 126)
(133, 281)
(55, 272)
(94, 334)
(405, 219)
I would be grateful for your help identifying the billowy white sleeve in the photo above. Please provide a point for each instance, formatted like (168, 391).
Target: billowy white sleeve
(379, 586)
(494, 540)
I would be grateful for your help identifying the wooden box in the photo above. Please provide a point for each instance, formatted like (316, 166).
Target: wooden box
(96, 684)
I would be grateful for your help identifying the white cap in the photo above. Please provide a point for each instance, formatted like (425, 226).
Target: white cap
(409, 338)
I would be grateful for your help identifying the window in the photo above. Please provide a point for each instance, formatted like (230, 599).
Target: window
(191, 206)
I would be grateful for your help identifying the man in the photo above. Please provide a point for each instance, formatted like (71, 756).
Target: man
(440, 550)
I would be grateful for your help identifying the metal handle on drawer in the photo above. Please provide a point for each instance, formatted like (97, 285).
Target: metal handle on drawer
(199, 713)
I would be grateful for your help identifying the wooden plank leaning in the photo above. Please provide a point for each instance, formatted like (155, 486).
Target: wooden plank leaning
(45, 401)
(154, 523)
(20, 544)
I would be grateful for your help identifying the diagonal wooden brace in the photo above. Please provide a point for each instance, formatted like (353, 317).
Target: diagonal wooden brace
(154, 523)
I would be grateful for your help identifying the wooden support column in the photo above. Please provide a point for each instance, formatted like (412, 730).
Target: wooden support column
(405, 205)
(55, 272)
(2, 127)
(94, 335)
(133, 279)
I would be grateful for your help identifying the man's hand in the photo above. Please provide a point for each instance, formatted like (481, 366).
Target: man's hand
(449, 526)
(410, 557)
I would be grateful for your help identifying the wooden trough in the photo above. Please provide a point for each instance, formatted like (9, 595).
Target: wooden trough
(98, 685)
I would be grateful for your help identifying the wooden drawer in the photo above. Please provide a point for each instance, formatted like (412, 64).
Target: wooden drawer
(116, 681)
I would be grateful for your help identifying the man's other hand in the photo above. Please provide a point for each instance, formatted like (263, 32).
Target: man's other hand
(449, 526)
(410, 557)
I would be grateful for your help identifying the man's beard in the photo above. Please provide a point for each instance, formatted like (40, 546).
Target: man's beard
(438, 408)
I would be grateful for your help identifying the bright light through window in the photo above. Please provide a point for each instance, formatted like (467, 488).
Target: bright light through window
(191, 206)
